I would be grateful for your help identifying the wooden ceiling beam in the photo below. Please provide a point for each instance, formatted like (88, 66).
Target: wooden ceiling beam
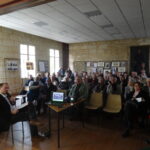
(15, 5)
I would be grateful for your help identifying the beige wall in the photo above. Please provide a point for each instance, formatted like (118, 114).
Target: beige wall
(103, 51)
(10, 41)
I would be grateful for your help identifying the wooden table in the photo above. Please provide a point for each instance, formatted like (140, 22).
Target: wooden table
(58, 110)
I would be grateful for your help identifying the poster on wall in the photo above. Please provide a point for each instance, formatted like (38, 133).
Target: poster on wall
(107, 65)
(100, 70)
(100, 64)
(88, 64)
(29, 66)
(95, 64)
(106, 71)
(43, 66)
(121, 69)
(115, 64)
(12, 65)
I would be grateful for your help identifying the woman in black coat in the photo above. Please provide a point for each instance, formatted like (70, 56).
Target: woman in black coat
(135, 105)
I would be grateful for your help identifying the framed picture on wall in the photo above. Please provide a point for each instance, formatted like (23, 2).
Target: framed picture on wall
(88, 64)
(107, 65)
(100, 64)
(95, 64)
(91, 64)
(100, 70)
(121, 69)
(43, 66)
(29, 65)
(115, 64)
(114, 69)
(123, 64)
(12, 64)
(106, 70)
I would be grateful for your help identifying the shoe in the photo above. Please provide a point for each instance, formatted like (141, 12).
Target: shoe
(126, 134)
(44, 134)
(40, 134)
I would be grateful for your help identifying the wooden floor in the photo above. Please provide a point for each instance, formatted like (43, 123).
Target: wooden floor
(73, 137)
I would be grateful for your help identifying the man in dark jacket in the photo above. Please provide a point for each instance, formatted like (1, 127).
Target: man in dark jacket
(6, 111)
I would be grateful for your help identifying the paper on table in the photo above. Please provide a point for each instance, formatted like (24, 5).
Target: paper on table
(139, 99)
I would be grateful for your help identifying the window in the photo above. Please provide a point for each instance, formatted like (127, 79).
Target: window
(27, 54)
(54, 61)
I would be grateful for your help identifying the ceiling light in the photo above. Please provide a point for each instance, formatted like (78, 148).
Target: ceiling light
(93, 13)
(40, 23)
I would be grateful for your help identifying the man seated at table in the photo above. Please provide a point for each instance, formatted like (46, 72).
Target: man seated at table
(8, 114)
(78, 90)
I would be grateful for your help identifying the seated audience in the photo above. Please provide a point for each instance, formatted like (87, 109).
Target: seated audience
(28, 81)
(78, 90)
(113, 87)
(100, 87)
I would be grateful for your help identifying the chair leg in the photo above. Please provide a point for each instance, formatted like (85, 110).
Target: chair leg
(12, 134)
(22, 130)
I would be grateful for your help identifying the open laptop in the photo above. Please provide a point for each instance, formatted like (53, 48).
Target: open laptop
(57, 98)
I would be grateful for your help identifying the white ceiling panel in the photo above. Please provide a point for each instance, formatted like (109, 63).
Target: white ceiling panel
(110, 9)
(100, 20)
(111, 30)
(86, 7)
(129, 7)
(146, 13)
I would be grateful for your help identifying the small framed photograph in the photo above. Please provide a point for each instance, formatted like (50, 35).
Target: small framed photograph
(95, 64)
(91, 64)
(88, 64)
(100, 64)
(121, 69)
(106, 71)
(123, 64)
(100, 70)
(29, 65)
(107, 65)
(11, 64)
(115, 64)
(114, 69)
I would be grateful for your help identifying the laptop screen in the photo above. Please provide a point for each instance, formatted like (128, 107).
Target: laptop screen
(57, 96)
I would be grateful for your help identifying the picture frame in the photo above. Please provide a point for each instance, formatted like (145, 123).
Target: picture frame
(43, 66)
(101, 70)
(95, 64)
(123, 64)
(107, 65)
(115, 64)
(29, 65)
(106, 70)
(12, 64)
(91, 64)
(100, 64)
(88, 64)
(114, 69)
(121, 69)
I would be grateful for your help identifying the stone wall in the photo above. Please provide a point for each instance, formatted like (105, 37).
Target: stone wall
(10, 41)
(103, 51)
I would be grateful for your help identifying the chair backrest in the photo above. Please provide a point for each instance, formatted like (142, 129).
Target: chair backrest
(113, 104)
(96, 99)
